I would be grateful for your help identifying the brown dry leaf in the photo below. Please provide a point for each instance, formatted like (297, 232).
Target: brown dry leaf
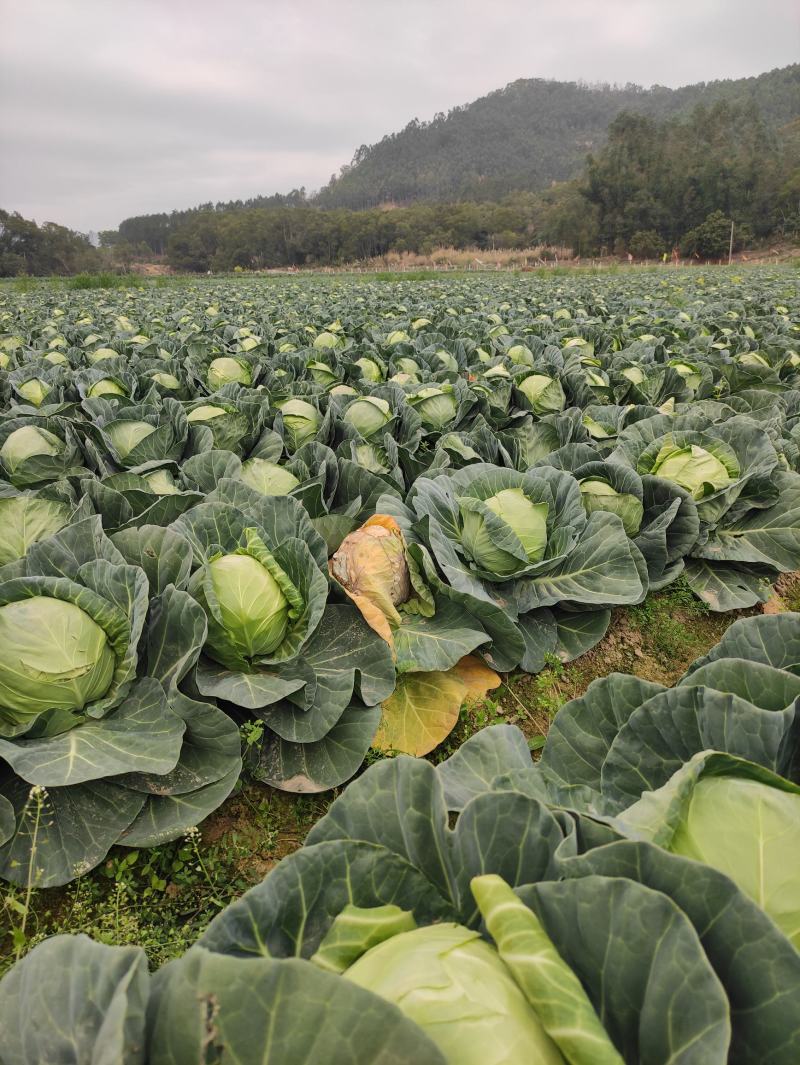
(421, 712)
(476, 676)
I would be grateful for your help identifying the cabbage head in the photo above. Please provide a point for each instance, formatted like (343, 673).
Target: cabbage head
(206, 412)
(520, 355)
(398, 336)
(635, 374)
(598, 494)
(126, 435)
(455, 986)
(106, 386)
(26, 519)
(368, 415)
(524, 518)
(446, 360)
(407, 366)
(322, 373)
(301, 422)
(162, 483)
(55, 658)
(249, 600)
(693, 468)
(268, 478)
(27, 442)
(751, 832)
(370, 370)
(166, 380)
(34, 390)
(545, 394)
(225, 370)
(327, 340)
(437, 407)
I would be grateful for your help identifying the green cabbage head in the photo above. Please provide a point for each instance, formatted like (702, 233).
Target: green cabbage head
(455, 986)
(545, 394)
(225, 370)
(693, 468)
(55, 657)
(26, 442)
(526, 519)
(268, 478)
(249, 601)
(34, 390)
(368, 415)
(436, 407)
(106, 387)
(126, 435)
(597, 494)
(751, 832)
(301, 422)
(370, 370)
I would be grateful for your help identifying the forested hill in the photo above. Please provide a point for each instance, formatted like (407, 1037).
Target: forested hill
(527, 135)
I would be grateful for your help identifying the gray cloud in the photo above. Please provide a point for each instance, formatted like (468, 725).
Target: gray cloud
(109, 109)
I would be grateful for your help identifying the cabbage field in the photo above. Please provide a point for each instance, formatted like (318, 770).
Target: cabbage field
(275, 533)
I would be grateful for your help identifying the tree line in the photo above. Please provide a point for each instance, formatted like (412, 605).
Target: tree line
(655, 185)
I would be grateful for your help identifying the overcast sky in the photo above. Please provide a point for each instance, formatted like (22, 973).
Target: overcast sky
(110, 108)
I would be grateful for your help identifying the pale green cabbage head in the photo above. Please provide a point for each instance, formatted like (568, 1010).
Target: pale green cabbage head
(327, 340)
(545, 394)
(370, 370)
(102, 353)
(162, 483)
(34, 391)
(126, 435)
(436, 407)
(597, 494)
(322, 373)
(635, 374)
(301, 422)
(454, 985)
(368, 415)
(24, 520)
(206, 412)
(268, 478)
(398, 336)
(166, 380)
(106, 387)
(26, 442)
(225, 370)
(253, 608)
(693, 468)
(55, 657)
(751, 832)
(526, 519)
(520, 355)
